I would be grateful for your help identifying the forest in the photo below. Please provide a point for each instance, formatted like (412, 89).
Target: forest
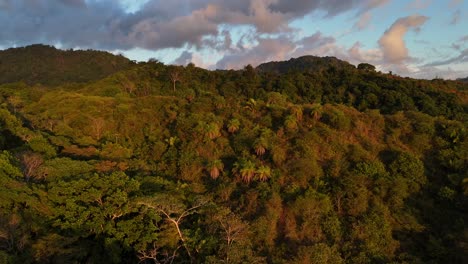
(311, 160)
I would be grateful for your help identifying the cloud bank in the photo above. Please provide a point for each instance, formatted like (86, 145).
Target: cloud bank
(158, 24)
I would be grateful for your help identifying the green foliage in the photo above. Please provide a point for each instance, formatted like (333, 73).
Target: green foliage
(409, 168)
(7, 165)
(306, 63)
(4, 257)
(40, 145)
(65, 167)
(49, 66)
(366, 67)
(106, 199)
(318, 254)
(336, 119)
(305, 161)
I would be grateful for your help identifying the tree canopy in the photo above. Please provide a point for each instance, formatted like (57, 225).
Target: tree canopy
(311, 160)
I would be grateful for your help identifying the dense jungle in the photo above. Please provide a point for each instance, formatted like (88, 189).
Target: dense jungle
(311, 160)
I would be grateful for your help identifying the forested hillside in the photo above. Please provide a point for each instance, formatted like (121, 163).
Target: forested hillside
(305, 64)
(41, 64)
(312, 160)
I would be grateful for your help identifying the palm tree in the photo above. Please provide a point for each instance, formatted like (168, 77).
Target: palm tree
(260, 146)
(233, 125)
(215, 168)
(212, 130)
(263, 173)
(316, 112)
(208, 130)
(251, 105)
(296, 111)
(245, 169)
(236, 168)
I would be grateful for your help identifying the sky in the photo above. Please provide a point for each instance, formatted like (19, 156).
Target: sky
(416, 38)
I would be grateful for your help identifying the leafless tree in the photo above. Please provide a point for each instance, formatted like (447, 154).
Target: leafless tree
(31, 162)
(175, 77)
(157, 256)
(128, 85)
(97, 127)
(233, 230)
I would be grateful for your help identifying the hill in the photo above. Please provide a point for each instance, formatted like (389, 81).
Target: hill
(305, 64)
(158, 163)
(465, 80)
(47, 65)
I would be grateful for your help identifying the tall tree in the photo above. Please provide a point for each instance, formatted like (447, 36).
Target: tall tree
(176, 76)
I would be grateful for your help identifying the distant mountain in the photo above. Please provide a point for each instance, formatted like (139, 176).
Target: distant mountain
(305, 63)
(50, 66)
(465, 80)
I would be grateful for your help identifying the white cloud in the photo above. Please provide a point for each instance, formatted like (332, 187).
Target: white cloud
(392, 42)
(429, 72)
(267, 49)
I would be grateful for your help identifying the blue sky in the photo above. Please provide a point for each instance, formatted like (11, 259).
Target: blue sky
(416, 38)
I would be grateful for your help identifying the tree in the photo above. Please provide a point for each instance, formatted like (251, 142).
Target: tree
(278, 154)
(215, 168)
(316, 112)
(410, 168)
(212, 130)
(235, 234)
(249, 72)
(127, 85)
(260, 146)
(366, 67)
(175, 212)
(296, 111)
(15, 102)
(373, 235)
(336, 118)
(89, 204)
(263, 173)
(245, 169)
(319, 253)
(97, 212)
(31, 162)
(290, 123)
(7, 166)
(233, 125)
(175, 76)
(97, 127)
